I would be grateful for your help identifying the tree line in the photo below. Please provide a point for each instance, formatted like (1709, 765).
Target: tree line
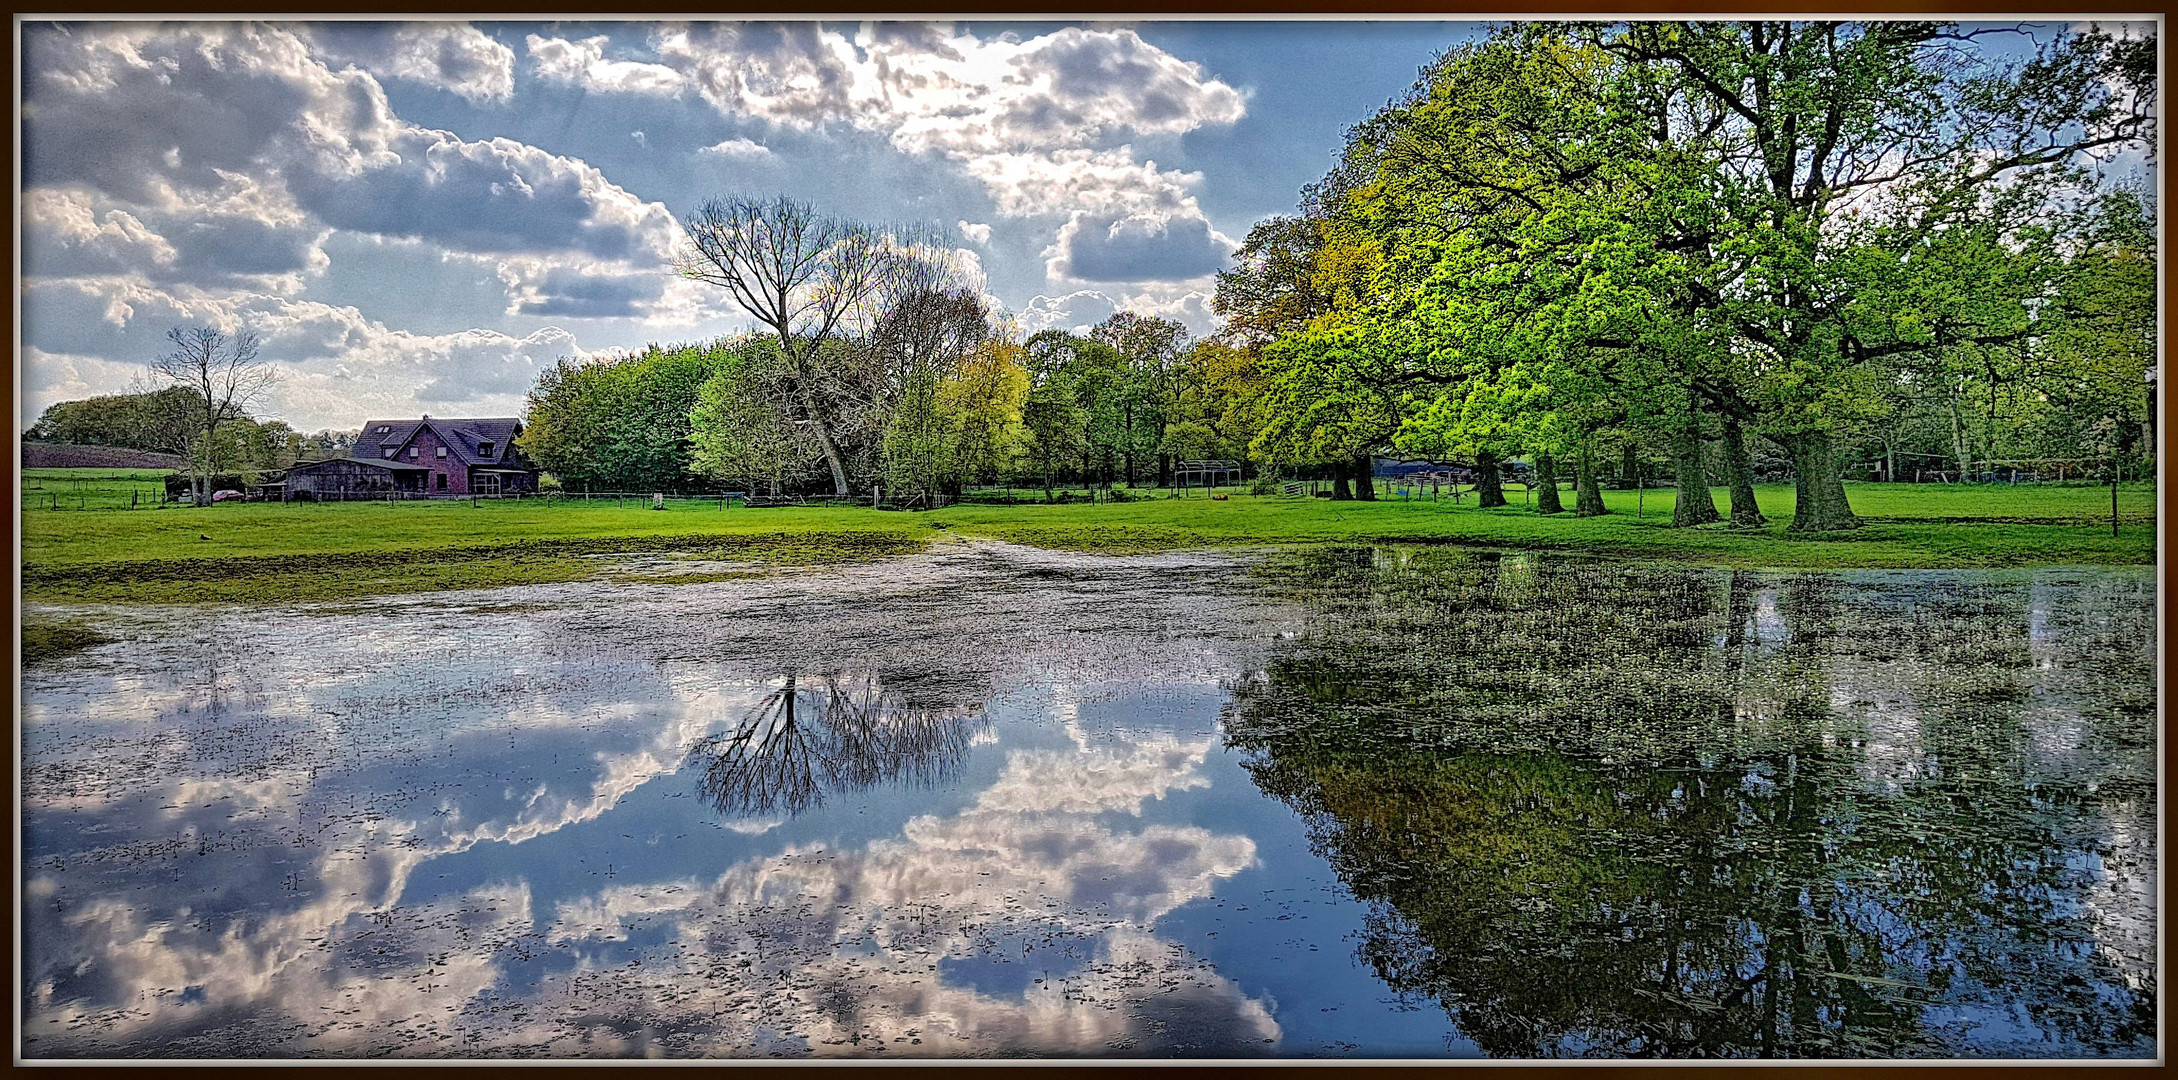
(878, 370)
(1714, 251)
(1851, 242)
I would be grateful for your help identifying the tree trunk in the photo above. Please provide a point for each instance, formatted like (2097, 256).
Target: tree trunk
(1339, 492)
(1364, 478)
(1739, 476)
(1587, 498)
(1958, 441)
(1546, 493)
(1818, 488)
(1489, 486)
(1694, 506)
(832, 460)
(1629, 465)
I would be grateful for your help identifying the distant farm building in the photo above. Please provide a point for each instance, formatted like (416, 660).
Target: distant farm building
(423, 457)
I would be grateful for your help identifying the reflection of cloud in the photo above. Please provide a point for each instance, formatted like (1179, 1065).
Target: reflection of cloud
(1060, 781)
(330, 786)
(845, 947)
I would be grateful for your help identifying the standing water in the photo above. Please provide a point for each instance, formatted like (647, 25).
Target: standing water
(992, 801)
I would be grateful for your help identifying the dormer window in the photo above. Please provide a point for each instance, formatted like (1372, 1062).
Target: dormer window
(387, 452)
(382, 429)
(484, 449)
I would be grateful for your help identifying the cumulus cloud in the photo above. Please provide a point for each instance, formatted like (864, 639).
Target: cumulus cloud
(595, 291)
(173, 117)
(930, 87)
(454, 57)
(1134, 249)
(582, 63)
(65, 236)
(1031, 120)
(1185, 302)
(192, 173)
(745, 149)
(976, 232)
(336, 363)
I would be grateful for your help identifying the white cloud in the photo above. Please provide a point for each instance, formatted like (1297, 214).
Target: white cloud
(1027, 118)
(76, 240)
(976, 232)
(1136, 248)
(1185, 302)
(193, 173)
(737, 148)
(454, 57)
(583, 63)
(184, 118)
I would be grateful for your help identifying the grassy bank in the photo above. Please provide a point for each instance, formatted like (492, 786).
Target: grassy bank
(272, 552)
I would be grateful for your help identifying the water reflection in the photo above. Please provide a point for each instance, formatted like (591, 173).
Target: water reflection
(238, 847)
(828, 733)
(1558, 807)
(1610, 810)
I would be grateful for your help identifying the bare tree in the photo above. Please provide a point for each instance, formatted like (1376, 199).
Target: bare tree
(226, 378)
(805, 277)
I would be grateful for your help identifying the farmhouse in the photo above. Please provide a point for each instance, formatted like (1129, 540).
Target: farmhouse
(422, 457)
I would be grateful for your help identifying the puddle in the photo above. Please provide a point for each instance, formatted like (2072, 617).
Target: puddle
(994, 801)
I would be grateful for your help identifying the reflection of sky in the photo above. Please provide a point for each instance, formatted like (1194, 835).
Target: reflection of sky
(323, 833)
(326, 834)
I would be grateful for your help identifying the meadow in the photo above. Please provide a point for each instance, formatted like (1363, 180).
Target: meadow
(271, 552)
(92, 489)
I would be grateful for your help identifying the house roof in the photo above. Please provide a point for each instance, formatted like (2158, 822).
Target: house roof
(461, 437)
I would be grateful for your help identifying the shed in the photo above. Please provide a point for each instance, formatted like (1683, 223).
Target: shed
(354, 478)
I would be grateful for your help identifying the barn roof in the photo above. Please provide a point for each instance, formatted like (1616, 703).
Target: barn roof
(461, 436)
(306, 466)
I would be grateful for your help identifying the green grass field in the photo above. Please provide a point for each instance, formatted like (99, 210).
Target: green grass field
(277, 553)
(92, 489)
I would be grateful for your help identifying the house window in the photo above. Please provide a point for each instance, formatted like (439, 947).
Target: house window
(484, 449)
(412, 453)
(387, 452)
(382, 429)
(441, 452)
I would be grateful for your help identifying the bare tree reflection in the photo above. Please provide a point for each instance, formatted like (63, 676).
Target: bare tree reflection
(819, 734)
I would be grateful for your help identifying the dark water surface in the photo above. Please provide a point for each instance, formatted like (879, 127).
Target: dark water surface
(997, 801)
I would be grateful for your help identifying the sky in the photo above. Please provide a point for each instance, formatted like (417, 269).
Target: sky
(420, 217)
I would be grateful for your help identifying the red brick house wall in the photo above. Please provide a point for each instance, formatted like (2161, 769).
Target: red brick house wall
(449, 476)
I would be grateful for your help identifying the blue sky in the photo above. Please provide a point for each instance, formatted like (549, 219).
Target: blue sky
(420, 217)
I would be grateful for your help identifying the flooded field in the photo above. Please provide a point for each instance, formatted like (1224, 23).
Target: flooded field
(994, 801)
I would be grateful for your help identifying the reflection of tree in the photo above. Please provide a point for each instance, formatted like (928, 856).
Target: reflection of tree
(826, 733)
(1578, 838)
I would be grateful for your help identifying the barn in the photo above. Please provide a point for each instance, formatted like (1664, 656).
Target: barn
(350, 478)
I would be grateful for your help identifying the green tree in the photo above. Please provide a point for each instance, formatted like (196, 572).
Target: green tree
(986, 396)
(738, 432)
(620, 423)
